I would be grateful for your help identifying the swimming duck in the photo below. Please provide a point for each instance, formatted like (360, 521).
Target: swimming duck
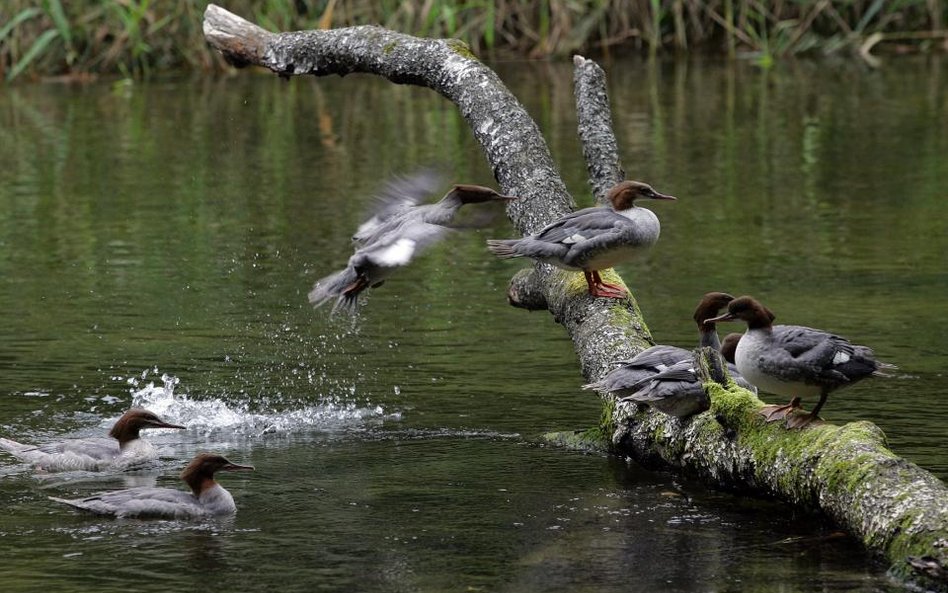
(206, 499)
(396, 233)
(666, 377)
(124, 449)
(795, 361)
(593, 239)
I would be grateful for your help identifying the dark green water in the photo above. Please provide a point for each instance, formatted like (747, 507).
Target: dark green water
(176, 227)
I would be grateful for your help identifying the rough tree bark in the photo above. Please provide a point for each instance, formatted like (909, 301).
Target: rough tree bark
(847, 473)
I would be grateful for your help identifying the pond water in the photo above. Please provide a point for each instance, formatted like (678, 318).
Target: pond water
(157, 243)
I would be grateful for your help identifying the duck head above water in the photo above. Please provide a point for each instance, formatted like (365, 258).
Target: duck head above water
(127, 427)
(199, 474)
(623, 194)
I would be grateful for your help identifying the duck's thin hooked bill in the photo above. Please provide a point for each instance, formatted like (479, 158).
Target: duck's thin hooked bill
(594, 239)
(666, 377)
(795, 361)
(207, 498)
(395, 233)
(123, 449)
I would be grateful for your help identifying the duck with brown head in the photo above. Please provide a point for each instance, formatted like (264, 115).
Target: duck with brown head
(124, 449)
(795, 361)
(665, 377)
(594, 239)
(395, 234)
(207, 498)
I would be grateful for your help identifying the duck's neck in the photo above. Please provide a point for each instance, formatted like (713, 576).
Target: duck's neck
(709, 337)
(443, 211)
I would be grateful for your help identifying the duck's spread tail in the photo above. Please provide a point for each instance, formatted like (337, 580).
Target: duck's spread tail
(503, 248)
(344, 286)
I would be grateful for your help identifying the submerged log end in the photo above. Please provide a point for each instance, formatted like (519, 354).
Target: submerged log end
(241, 42)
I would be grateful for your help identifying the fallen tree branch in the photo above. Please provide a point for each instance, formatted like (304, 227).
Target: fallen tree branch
(846, 472)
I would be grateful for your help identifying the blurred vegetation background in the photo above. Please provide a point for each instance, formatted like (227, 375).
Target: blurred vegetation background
(134, 38)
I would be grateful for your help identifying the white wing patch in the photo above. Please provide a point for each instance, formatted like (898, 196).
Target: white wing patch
(398, 253)
(840, 357)
(574, 238)
(366, 228)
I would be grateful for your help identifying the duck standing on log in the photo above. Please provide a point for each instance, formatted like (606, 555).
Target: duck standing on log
(795, 361)
(593, 239)
(397, 232)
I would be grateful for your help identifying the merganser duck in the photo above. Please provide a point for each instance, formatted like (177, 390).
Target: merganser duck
(593, 239)
(206, 499)
(123, 450)
(665, 377)
(397, 197)
(394, 235)
(795, 361)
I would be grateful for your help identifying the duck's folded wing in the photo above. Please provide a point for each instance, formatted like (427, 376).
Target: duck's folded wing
(621, 379)
(97, 448)
(65, 455)
(144, 502)
(659, 357)
(581, 225)
(807, 355)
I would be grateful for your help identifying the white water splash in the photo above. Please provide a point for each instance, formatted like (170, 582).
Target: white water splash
(212, 415)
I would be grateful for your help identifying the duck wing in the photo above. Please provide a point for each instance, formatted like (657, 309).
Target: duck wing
(631, 374)
(74, 454)
(676, 391)
(582, 225)
(398, 246)
(658, 357)
(396, 198)
(141, 502)
(812, 356)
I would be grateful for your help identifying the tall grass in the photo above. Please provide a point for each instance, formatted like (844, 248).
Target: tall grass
(137, 37)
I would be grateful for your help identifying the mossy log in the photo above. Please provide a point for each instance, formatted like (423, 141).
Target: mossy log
(844, 472)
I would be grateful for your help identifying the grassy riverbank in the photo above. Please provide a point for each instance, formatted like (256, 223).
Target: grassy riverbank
(137, 37)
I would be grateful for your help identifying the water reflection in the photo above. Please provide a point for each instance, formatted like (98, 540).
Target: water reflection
(180, 225)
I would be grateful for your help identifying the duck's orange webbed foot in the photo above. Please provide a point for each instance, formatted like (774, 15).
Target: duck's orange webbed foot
(598, 288)
(772, 413)
(803, 420)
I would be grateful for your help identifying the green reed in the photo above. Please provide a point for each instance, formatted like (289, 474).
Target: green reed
(136, 37)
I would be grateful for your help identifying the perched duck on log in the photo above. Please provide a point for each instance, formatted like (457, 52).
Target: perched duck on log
(795, 361)
(666, 377)
(594, 239)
